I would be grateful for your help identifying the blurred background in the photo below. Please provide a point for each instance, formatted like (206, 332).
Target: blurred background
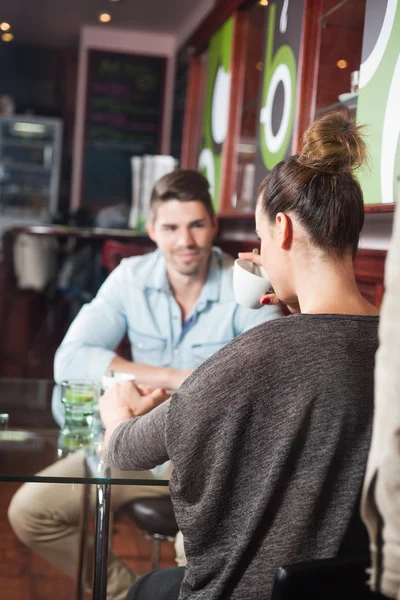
(99, 98)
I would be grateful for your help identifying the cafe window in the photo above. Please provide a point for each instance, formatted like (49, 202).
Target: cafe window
(341, 30)
(247, 142)
(263, 108)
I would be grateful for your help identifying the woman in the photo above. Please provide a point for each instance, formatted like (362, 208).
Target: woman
(269, 437)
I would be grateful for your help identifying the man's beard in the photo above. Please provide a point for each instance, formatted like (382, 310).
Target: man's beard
(190, 273)
(189, 269)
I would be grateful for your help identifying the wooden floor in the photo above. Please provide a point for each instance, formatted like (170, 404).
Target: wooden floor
(26, 576)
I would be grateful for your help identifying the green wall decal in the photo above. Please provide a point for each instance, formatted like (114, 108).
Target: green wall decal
(279, 68)
(280, 86)
(379, 101)
(216, 111)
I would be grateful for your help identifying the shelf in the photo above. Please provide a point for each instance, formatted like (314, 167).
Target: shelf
(22, 216)
(25, 143)
(379, 208)
(83, 232)
(29, 167)
(349, 104)
(22, 194)
(333, 10)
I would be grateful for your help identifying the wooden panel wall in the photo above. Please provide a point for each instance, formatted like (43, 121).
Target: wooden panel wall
(369, 268)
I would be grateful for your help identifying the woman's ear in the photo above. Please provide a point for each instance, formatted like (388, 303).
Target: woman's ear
(285, 230)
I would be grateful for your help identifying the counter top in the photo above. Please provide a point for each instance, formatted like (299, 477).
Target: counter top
(82, 232)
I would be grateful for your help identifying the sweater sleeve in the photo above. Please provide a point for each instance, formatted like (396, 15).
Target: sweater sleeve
(139, 444)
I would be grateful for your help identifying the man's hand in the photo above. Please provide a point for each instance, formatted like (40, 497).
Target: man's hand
(292, 307)
(126, 400)
(164, 377)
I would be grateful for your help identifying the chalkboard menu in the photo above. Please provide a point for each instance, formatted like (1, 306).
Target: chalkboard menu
(123, 118)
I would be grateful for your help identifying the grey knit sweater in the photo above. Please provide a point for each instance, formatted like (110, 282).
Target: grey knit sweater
(269, 440)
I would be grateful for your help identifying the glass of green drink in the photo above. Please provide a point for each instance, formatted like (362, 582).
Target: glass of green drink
(80, 401)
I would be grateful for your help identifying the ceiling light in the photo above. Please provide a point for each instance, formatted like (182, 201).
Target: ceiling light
(104, 18)
(263, 2)
(5, 26)
(341, 64)
(7, 37)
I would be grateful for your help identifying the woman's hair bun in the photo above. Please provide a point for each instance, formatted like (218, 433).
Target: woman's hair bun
(333, 143)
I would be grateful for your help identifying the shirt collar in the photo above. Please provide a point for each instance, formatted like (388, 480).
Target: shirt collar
(210, 292)
(157, 279)
(211, 288)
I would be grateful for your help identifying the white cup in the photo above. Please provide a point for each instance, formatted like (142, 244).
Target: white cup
(108, 381)
(250, 283)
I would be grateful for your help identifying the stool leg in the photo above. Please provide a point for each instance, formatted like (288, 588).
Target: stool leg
(156, 553)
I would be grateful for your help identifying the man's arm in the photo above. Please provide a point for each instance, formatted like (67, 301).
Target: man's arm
(87, 351)
(152, 376)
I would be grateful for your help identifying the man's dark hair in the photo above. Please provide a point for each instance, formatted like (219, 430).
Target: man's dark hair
(184, 185)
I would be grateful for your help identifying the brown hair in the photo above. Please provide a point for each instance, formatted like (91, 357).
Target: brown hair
(183, 185)
(318, 185)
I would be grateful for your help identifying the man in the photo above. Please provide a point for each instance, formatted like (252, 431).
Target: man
(177, 306)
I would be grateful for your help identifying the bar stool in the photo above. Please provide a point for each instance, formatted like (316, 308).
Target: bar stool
(156, 518)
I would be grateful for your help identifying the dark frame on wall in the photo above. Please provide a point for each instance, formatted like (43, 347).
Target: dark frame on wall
(192, 122)
(161, 61)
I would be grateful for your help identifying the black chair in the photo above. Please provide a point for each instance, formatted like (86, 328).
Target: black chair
(340, 578)
(156, 518)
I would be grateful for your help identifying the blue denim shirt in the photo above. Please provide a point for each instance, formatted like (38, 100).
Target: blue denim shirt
(136, 299)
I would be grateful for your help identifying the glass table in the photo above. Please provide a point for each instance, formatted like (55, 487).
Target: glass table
(30, 444)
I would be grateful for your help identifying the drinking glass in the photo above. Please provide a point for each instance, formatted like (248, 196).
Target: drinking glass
(80, 401)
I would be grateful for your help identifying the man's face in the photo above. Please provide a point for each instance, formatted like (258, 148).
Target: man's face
(183, 232)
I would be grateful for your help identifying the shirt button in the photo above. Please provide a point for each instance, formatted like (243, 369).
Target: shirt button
(176, 351)
(140, 345)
